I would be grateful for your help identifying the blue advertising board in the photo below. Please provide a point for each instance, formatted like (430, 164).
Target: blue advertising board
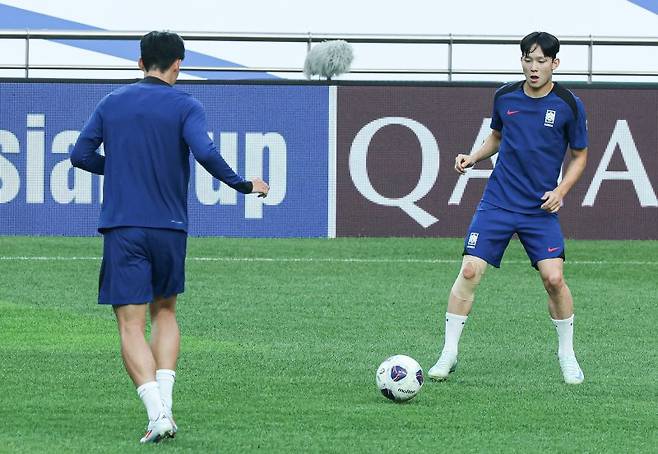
(279, 133)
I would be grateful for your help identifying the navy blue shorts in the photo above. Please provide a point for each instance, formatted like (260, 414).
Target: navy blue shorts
(140, 264)
(492, 228)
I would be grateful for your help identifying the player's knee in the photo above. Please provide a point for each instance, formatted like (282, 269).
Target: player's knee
(468, 279)
(129, 328)
(165, 319)
(473, 268)
(163, 305)
(554, 281)
(469, 270)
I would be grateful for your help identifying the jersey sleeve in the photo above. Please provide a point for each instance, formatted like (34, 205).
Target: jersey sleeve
(205, 152)
(578, 128)
(84, 154)
(496, 121)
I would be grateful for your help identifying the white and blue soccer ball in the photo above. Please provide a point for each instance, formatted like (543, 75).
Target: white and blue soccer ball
(399, 378)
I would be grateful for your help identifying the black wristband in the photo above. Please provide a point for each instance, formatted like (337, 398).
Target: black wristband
(246, 187)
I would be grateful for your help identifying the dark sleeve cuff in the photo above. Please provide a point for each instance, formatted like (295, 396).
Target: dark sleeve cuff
(246, 187)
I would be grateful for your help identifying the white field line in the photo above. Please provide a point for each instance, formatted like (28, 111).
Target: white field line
(324, 260)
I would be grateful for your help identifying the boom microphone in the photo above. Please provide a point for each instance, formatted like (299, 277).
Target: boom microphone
(328, 59)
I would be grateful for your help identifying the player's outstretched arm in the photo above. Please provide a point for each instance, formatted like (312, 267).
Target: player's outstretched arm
(489, 148)
(206, 153)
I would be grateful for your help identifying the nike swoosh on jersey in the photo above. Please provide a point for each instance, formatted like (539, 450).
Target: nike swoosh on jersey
(512, 112)
(553, 249)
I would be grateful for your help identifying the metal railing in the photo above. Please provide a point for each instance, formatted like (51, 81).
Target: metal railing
(450, 40)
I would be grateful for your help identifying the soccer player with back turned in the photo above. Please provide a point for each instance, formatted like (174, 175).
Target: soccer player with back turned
(148, 129)
(533, 123)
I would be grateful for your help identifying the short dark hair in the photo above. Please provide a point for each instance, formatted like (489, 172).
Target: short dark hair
(548, 43)
(161, 49)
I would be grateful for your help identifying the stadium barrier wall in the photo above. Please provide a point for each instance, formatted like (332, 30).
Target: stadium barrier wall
(355, 159)
(277, 132)
(395, 162)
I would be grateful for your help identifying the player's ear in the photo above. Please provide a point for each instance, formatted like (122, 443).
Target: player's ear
(555, 64)
(140, 64)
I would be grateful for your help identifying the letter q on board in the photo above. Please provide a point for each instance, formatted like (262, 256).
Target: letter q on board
(428, 174)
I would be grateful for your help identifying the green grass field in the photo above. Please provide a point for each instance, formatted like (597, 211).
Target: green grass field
(281, 339)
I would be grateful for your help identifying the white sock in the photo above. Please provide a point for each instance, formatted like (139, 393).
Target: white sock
(166, 378)
(150, 394)
(454, 326)
(565, 336)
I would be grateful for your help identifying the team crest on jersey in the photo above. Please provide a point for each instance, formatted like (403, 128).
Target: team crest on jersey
(472, 239)
(549, 119)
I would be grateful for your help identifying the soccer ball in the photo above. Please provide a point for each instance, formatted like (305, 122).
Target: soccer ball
(399, 378)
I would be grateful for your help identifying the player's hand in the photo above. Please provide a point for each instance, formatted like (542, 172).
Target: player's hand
(552, 201)
(463, 162)
(260, 187)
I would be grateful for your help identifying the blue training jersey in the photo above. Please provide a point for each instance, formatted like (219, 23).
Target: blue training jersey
(148, 129)
(535, 135)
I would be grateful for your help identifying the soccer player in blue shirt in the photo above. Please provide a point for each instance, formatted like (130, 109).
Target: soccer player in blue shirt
(148, 130)
(533, 123)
